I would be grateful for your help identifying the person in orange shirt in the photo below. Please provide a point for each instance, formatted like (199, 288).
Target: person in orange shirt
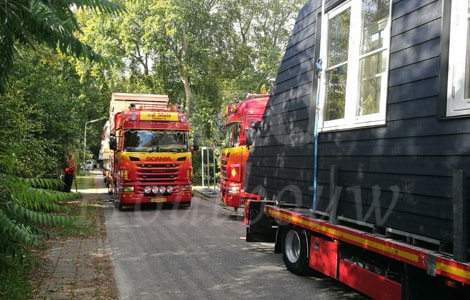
(69, 174)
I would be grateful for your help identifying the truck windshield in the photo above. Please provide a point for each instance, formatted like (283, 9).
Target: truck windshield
(146, 140)
(232, 135)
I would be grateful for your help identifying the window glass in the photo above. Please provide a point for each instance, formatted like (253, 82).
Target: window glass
(374, 22)
(373, 63)
(232, 135)
(336, 85)
(458, 87)
(467, 64)
(370, 84)
(338, 38)
(336, 75)
(146, 140)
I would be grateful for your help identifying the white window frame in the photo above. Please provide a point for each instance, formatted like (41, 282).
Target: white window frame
(350, 119)
(457, 104)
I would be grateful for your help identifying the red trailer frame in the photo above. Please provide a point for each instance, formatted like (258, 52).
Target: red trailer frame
(379, 266)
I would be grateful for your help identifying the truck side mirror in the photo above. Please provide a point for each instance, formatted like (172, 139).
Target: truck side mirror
(196, 141)
(251, 132)
(112, 140)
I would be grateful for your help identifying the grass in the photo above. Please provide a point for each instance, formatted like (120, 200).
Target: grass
(85, 181)
(14, 283)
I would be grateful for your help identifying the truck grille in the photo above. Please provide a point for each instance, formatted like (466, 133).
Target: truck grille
(157, 172)
(223, 166)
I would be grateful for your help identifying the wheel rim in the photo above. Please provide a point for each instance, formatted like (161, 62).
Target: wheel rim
(292, 246)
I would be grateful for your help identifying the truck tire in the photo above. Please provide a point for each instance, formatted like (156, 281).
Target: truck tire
(295, 251)
(184, 205)
(117, 204)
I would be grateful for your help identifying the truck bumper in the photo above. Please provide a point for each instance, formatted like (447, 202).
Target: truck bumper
(230, 200)
(237, 200)
(133, 198)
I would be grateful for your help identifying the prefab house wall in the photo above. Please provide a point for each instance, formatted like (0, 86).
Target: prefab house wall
(396, 175)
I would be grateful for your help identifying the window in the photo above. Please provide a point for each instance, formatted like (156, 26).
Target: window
(232, 135)
(355, 49)
(458, 89)
(147, 140)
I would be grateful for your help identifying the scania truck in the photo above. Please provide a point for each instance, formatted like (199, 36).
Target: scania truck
(152, 160)
(238, 121)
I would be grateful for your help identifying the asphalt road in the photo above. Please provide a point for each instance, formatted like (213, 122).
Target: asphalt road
(200, 253)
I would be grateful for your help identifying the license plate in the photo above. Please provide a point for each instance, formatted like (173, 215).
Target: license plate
(158, 199)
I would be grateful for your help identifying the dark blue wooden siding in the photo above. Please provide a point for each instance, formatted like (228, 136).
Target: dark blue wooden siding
(281, 163)
(398, 175)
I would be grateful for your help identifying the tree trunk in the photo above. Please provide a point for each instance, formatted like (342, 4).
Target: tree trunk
(187, 93)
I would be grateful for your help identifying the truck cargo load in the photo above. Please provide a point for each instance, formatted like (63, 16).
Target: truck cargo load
(363, 150)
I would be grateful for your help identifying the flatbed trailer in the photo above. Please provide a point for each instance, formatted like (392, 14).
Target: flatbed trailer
(378, 264)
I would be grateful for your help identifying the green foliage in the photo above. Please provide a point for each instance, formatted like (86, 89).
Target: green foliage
(51, 23)
(26, 205)
(203, 54)
(45, 111)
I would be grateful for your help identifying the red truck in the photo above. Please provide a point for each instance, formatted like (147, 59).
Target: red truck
(152, 160)
(238, 120)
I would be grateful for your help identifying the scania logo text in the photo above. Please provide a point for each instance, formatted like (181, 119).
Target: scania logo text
(158, 158)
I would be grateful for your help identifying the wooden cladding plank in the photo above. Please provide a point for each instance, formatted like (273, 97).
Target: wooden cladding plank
(408, 17)
(411, 55)
(405, 8)
(415, 36)
(413, 186)
(415, 72)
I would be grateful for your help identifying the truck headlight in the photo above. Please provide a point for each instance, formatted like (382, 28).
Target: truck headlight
(234, 189)
(186, 187)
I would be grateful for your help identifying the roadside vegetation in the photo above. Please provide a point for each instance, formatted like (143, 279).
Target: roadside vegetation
(61, 60)
(29, 227)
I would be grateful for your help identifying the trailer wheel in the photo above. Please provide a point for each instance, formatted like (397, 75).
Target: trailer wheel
(295, 251)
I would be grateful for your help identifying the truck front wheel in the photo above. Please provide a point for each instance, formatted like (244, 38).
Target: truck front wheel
(117, 204)
(295, 254)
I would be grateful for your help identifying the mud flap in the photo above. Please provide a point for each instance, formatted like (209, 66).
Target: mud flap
(260, 228)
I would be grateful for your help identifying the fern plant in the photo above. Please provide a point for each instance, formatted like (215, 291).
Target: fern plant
(26, 206)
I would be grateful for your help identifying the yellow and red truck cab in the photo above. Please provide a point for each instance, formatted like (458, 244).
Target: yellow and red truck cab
(152, 157)
(238, 118)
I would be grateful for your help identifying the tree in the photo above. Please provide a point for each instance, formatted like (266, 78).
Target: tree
(262, 29)
(202, 53)
(44, 110)
(52, 23)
